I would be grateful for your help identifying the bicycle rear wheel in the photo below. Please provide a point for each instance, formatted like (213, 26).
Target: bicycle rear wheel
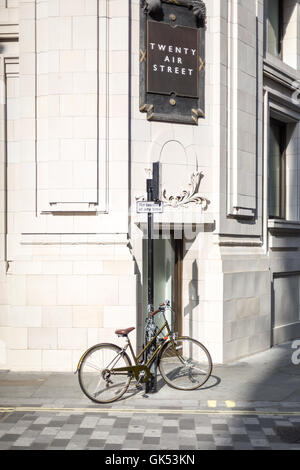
(188, 366)
(96, 377)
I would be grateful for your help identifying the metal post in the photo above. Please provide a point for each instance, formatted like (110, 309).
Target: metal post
(151, 385)
(150, 252)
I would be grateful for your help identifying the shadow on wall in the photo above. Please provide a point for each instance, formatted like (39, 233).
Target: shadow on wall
(193, 298)
(288, 13)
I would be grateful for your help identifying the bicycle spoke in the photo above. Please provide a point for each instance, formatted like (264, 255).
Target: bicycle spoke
(93, 366)
(200, 370)
(97, 386)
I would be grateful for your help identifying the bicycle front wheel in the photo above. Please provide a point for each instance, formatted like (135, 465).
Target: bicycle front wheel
(96, 375)
(187, 366)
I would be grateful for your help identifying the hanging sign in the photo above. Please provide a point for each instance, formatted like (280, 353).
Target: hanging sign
(172, 60)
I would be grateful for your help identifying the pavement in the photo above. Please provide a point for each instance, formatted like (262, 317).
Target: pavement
(250, 404)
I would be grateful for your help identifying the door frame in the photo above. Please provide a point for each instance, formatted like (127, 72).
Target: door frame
(178, 249)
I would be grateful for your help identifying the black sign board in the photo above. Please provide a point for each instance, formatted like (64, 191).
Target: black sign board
(172, 59)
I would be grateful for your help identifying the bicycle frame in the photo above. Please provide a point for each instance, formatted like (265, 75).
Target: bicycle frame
(137, 359)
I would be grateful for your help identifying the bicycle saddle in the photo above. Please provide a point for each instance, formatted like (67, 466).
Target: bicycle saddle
(124, 331)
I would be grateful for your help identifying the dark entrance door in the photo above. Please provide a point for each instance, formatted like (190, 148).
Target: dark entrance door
(167, 278)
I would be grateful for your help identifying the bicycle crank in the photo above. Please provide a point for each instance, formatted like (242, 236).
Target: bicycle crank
(141, 373)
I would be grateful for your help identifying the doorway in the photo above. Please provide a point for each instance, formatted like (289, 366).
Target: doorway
(167, 278)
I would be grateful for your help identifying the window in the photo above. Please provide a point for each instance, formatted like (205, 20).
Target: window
(276, 173)
(274, 18)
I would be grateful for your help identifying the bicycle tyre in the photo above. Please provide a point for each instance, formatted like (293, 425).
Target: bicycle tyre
(177, 373)
(93, 363)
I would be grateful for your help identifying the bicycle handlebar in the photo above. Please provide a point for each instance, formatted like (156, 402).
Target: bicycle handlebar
(160, 309)
(154, 313)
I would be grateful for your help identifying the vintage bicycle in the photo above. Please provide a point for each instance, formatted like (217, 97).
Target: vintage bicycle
(105, 370)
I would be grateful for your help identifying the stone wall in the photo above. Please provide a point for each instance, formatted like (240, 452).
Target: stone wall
(75, 155)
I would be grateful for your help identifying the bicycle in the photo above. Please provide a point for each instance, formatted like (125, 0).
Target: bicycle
(184, 364)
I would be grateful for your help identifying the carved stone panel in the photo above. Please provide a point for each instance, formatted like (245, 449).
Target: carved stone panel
(172, 63)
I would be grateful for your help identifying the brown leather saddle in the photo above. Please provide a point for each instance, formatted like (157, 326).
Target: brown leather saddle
(124, 331)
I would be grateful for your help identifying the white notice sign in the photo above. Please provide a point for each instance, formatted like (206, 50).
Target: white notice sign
(149, 207)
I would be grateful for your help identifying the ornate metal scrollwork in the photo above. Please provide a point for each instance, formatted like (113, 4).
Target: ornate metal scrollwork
(153, 7)
(190, 196)
(187, 197)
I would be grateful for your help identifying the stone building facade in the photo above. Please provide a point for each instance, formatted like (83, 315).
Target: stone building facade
(75, 154)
